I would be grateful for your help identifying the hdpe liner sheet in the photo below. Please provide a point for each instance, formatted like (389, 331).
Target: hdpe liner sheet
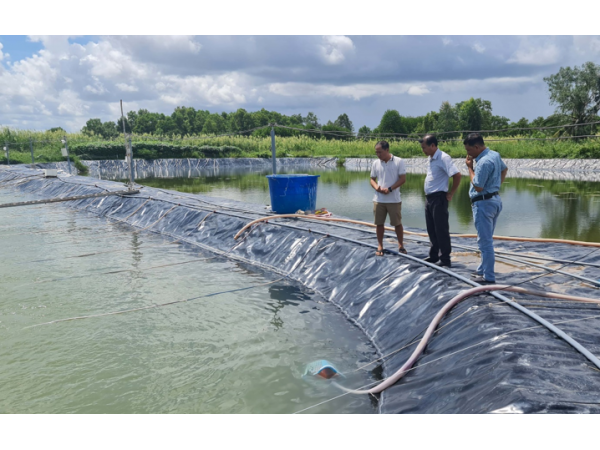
(543, 169)
(188, 167)
(486, 356)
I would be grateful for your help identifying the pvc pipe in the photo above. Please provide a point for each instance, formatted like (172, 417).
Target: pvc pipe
(505, 238)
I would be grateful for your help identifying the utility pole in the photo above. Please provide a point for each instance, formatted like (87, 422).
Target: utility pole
(65, 152)
(128, 149)
(273, 154)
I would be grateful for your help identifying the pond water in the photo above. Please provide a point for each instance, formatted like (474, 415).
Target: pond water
(531, 207)
(238, 352)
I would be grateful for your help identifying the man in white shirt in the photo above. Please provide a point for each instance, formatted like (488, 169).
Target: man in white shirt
(439, 170)
(387, 175)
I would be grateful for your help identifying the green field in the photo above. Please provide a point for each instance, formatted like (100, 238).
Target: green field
(47, 145)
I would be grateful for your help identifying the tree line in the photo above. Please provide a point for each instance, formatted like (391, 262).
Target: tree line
(574, 91)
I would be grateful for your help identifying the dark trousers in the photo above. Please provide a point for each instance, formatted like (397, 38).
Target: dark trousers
(436, 218)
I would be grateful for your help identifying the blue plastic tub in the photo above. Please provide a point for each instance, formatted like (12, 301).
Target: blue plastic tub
(289, 193)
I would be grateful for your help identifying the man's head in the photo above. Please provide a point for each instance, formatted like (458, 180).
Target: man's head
(382, 150)
(474, 145)
(429, 144)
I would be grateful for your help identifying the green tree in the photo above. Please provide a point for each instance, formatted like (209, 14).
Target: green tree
(214, 124)
(311, 120)
(344, 121)
(93, 127)
(55, 129)
(240, 120)
(391, 122)
(447, 119)
(109, 130)
(430, 122)
(469, 116)
(146, 122)
(166, 126)
(184, 120)
(364, 132)
(576, 94)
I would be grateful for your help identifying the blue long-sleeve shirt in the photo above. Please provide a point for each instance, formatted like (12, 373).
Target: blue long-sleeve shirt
(488, 173)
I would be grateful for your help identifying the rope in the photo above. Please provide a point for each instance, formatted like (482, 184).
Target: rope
(64, 199)
(157, 305)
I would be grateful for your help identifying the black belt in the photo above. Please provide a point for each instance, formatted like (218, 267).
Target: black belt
(436, 194)
(483, 197)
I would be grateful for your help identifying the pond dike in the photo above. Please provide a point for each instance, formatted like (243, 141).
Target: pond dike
(545, 169)
(485, 357)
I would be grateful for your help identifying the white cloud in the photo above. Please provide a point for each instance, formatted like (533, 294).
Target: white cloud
(478, 48)
(446, 41)
(528, 54)
(418, 90)
(334, 49)
(485, 84)
(355, 91)
(126, 87)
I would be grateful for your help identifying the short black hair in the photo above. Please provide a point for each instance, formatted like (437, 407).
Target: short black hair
(384, 145)
(473, 139)
(429, 139)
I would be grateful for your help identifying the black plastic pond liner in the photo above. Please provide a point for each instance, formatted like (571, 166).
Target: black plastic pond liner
(188, 167)
(486, 356)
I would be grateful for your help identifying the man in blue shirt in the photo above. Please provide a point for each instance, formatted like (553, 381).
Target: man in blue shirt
(486, 178)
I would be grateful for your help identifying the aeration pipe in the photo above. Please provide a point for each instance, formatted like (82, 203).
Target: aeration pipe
(438, 318)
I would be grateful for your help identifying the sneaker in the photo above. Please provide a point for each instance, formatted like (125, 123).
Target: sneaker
(444, 264)
(429, 259)
(479, 279)
(476, 275)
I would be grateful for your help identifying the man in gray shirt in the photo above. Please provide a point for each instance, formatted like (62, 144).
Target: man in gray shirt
(387, 175)
(439, 169)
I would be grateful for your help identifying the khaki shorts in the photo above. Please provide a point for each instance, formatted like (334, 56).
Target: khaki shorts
(381, 210)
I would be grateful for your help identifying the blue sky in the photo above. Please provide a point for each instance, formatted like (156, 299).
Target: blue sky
(50, 81)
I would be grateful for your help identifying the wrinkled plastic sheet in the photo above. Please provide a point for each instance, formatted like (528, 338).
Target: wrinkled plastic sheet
(485, 357)
(541, 169)
(186, 167)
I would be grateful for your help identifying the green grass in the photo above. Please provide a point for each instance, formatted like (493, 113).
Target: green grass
(150, 147)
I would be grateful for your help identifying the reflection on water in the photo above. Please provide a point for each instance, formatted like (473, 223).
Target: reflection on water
(532, 208)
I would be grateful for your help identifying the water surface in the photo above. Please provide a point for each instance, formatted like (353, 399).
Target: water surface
(239, 352)
(531, 208)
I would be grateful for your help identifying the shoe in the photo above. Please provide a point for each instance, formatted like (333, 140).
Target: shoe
(429, 259)
(444, 264)
(476, 275)
(479, 279)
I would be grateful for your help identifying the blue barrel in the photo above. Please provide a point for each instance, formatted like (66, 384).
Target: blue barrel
(289, 193)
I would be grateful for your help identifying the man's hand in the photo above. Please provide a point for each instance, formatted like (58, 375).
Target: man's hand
(449, 196)
(469, 162)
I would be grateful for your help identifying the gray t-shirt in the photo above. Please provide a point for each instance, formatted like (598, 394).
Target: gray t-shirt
(387, 173)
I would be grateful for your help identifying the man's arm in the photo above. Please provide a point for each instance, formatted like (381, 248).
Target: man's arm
(455, 182)
(469, 163)
(400, 182)
(503, 175)
(374, 184)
